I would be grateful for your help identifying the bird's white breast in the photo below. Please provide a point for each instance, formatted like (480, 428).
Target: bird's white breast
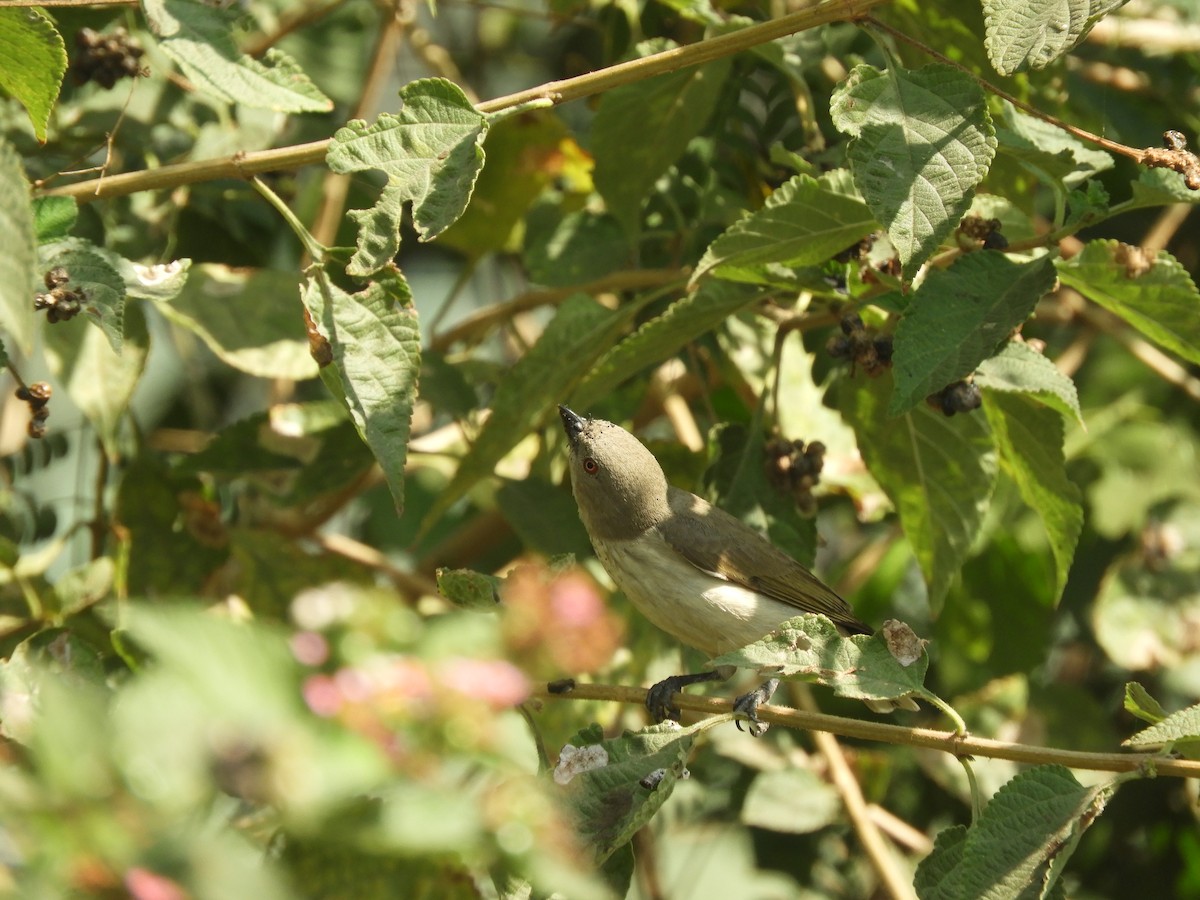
(698, 608)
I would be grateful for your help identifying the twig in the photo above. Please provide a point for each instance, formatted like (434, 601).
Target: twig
(292, 21)
(414, 584)
(1169, 221)
(947, 741)
(242, 165)
(896, 882)
(899, 830)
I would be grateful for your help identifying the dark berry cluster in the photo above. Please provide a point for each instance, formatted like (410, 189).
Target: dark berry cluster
(37, 395)
(983, 231)
(106, 58)
(958, 397)
(863, 347)
(60, 302)
(796, 468)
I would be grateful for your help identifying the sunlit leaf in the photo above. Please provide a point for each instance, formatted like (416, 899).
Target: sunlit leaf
(20, 256)
(33, 59)
(1032, 34)
(1019, 369)
(99, 286)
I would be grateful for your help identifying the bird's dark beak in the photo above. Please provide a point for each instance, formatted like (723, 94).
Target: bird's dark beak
(572, 424)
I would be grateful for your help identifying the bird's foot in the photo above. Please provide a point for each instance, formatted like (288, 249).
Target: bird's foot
(747, 705)
(658, 698)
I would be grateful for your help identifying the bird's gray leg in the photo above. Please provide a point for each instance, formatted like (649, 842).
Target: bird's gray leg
(658, 698)
(748, 704)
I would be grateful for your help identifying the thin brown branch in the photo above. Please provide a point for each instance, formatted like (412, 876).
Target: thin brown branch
(413, 584)
(292, 21)
(946, 741)
(245, 165)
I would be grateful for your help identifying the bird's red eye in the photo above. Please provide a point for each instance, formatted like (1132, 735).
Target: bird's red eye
(590, 466)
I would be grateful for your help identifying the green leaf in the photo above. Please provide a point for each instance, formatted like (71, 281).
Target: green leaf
(642, 128)
(1048, 150)
(17, 262)
(544, 516)
(665, 335)
(939, 471)
(1179, 727)
(1158, 187)
(580, 331)
(272, 569)
(1019, 369)
(468, 589)
(1021, 34)
(432, 152)
(613, 787)
(802, 223)
(737, 482)
(199, 38)
(53, 218)
(1138, 702)
(922, 141)
(579, 247)
(1030, 438)
(103, 289)
(33, 59)
(791, 801)
(100, 381)
(1020, 843)
(248, 318)
(1160, 302)
(859, 667)
(376, 346)
(958, 318)
(245, 447)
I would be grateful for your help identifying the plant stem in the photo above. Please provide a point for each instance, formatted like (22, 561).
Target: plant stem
(244, 165)
(948, 741)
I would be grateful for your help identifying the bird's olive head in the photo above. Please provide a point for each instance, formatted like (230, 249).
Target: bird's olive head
(619, 485)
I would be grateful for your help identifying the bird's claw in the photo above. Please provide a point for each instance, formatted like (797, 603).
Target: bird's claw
(658, 699)
(747, 705)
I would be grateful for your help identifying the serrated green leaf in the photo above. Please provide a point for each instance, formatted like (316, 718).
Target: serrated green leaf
(1160, 302)
(248, 318)
(376, 344)
(1021, 34)
(468, 589)
(659, 338)
(53, 218)
(1047, 149)
(958, 318)
(1138, 702)
(608, 802)
(100, 381)
(432, 152)
(1157, 187)
(103, 289)
(1022, 839)
(1019, 369)
(17, 262)
(810, 646)
(737, 482)
(939, 874)
(791, 801)
(33, 59)
(642, 128)
(938, 471)
(199, 38)
(1181, 726)
(922, 141)
(802, 223)
(580, 331)
(1030, 438)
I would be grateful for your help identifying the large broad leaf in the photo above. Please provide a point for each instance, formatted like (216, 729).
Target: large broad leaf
(580, 331)
(1020, 843)
(614, 787)
(1181, 727)
(683, 321)
(802, 223)
(199, 37)
(1048, 150)
(1030, 438)
(54, 217)
(100, 286)
(958, 318)
(860, 667)
(1019, 369)
(1031, 34)
(923, 140)
(1155, 294)
(640, 129)
(20, 255)
(32, 62)
(249, 319)
(432, 152)
(100, 381)
(376, 345)
(939, 472)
